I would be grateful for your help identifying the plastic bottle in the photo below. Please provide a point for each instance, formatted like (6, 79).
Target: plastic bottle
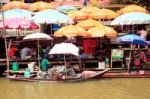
(107, 62)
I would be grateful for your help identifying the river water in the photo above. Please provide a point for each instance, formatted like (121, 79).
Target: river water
(126, 88)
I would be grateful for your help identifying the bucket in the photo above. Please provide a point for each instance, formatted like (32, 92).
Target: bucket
(15, 66)
(101, 65)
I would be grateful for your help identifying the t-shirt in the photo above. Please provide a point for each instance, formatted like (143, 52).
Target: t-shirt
(12, 51)
(47, 51)
(25, 52)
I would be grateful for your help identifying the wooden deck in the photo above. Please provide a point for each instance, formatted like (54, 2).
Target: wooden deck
(52, 61)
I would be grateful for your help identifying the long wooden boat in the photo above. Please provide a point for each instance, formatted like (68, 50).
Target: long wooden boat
(134, 74)
(34, 79)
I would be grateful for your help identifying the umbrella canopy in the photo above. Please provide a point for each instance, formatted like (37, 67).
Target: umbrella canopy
(71, 31)
(87, 24)
(66, 8)
(55, 3)
(40, 5)
(102, 31)
(103, 14)
(66, 48)
(110, 32)
(74, 3)
(21, 13)
(96, 32)
(51, 16)
(132, 18)
(37, 36)
(132, 8)
(89, 9)
(78, 15)
(132, 39)
(15, 4)
(18, 23)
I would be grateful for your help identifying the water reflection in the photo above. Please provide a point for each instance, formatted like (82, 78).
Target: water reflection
(95, 89)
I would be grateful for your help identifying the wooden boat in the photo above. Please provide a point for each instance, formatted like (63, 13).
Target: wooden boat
(133, 74)
(34, 79)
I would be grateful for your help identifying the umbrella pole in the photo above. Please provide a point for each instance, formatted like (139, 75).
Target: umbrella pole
(64, 59)
(80, 63)
(130, 55)
(38, 55)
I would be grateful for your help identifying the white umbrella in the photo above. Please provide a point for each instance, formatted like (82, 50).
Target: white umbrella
(38, 36)
(132, 18)
(65, 48)
(51, 16)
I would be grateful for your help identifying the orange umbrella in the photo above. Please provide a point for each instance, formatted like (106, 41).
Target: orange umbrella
(70, 31)
(89, 9)
(103, 14)
(132, 8)
(40, 5)
(78, 15)
(87, 24)
(100, 32)
(110, 32)
(15, 4)
(96, 32)
(55, 3)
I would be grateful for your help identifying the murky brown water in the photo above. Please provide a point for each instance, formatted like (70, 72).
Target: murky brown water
(95, 89)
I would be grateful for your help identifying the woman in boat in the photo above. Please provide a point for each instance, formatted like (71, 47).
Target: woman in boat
(61, 72)
(69, 71)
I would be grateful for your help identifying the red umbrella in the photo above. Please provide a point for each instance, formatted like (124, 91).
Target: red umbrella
(18, 23)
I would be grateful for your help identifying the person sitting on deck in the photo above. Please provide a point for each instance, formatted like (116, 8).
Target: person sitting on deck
(142, 31)
(46, 55)
(12, 52)
(138, 58)
(25, 53)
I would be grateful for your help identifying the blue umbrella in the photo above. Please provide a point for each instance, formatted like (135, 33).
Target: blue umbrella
(132, 18)
(132, 39)
(17, 13)
(51, 16)
(66, 8)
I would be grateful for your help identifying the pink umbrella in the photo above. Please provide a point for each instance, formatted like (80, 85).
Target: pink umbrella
(18, 23)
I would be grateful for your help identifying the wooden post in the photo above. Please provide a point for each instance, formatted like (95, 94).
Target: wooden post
(4, 30)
